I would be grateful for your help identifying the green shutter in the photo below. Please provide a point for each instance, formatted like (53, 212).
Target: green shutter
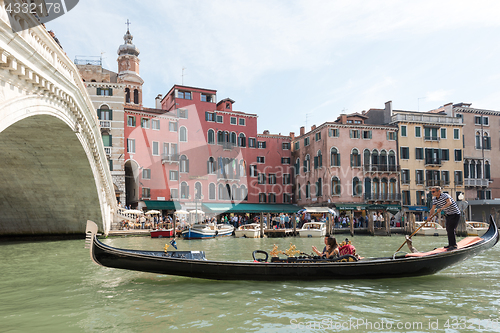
(110, 114)
(99, 114)
(110, 140)
(98, 91)
(110, 92)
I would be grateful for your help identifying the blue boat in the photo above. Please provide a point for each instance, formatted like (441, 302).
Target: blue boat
(201, 231)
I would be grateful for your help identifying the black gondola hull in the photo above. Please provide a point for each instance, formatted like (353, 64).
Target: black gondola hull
(399, 266)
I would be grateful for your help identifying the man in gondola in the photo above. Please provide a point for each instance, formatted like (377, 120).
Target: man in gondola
(444, 202)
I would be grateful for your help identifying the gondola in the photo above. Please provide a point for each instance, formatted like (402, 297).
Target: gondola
(304, 267)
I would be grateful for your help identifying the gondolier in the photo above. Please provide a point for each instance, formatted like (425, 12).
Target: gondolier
(444, 202)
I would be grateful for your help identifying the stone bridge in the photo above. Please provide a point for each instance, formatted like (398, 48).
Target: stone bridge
(54, 174)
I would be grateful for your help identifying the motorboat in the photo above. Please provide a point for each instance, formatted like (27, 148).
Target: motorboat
(476, 228)
(207, 230)
(430, 228)
(304, 267)
(251, 230)
(313, 229)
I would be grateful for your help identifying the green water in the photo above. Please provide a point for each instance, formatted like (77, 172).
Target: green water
(55, 287)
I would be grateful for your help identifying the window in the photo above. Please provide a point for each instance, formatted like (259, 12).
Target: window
(184, 94)
(206, 98)
(319, 187)
(419, 177)
(286, 179)
(252, 142)
(104, 91)
(253, 170)
(211, 191)
(459, 180)
(130, 121)
(145, 122)
(107, 140)
(232, 120)
(445, 177)
(285, 145)
(419, 153)
(285, 160)
(184, 164)
(336, 188)
(174, 193)
(405, 153)
(486, 141)
(308, 190)
(431, 134)
(403, 130)
(172, 126)
(146, 173)
(297, 167)
(156, 148)
(318, 160)
(211, 137)
(241, 121)
(487, 170)
(155, 124)
(418, 132)
(333, 132)
(318, 136)
(210, 116)
(272, 178)
(357, 187)
(391, 136)
(445, 154)
(287, 198)
(334, 157)
(146, 192)
(481, 119)
(456, 133)
(182, 113)
(355, 158)
(136, 96)
(367, 134)
(242, 140)
(183, 134)
(261, 178)
(174, 175)
(405, 176)
(354, 134)
(184, 190)
(272, 198)
(306, 142)
(211, 166)
(261, 144)
(104, 113)
(127, 95)
(406, 197)
(307, 164)
(262, 197)
(420, 198)
(131, 146)
(261, 159)
(297, 145)
(443, 133)
(219, 118)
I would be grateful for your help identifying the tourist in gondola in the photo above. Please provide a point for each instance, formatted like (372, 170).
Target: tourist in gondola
(444, 202)
(331, 248)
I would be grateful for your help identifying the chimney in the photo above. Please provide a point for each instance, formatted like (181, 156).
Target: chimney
(313, 127)
(158, 101)
(292, 135)
(343, 118)
(302, 130)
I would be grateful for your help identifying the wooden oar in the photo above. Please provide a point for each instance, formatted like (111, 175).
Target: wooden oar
(430, 218)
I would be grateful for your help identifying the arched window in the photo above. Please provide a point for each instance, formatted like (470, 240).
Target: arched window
(184, 164)
(297, 167)
(211, 137)
(104, 113)
(355, 158)
(222, 190)
(384, 189)
(220, 137)
(478, 140)
(233, 138)
(466, 169)
(211, 191)
(308, 190)
(334, 157)
(197, 191)
(368, 189)
(242, 140)
(184, 190)
(127, 95)
(226, 136)
(376, 188)
(183, 134)
(383, 158)
(357, 188)
(307, 163)
(392, 189)
(318, 160)
(472, 169)
(244, 193)
(487, 170)
(235, 192)
(262, 197)
(366, 157)
(243, 168)
(136, 96)
(392, 161)
(211, 165)
(479, 169)
(228, 192)
(336, 188)
(375, 160)
(272, 198)
(319, 187)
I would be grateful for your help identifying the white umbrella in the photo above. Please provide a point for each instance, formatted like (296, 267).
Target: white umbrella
(133, 211)
(180, 212)
(196, 212)
(153, 212)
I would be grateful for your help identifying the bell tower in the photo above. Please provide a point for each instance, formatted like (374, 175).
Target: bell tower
(128, 70)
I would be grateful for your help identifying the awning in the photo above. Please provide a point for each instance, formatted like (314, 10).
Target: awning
(418, 208)
(389, 207)
(162, 205)
(219, 208)
(359, 206)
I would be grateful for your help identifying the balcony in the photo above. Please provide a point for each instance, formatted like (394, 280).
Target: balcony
(433, 182)
(427, 118)
(381, 168)
(105, 124)
(169, 158)
(383, 197)
(476, 182)
(431, 138)
(433, 162)
(228, 145)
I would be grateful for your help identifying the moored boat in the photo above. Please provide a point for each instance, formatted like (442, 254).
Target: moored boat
(210, 230)
(313, 229)
(161, 233)
(430, 229)
(251, 230)
(194, 263)
(476, 228)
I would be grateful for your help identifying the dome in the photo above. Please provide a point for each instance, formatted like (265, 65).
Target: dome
(128, 47)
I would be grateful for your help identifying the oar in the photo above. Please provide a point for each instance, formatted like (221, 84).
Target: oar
(430, 217)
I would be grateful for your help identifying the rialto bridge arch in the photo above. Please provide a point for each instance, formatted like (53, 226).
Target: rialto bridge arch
(54, 174)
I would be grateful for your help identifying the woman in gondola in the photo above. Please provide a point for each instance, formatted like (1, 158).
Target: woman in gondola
(331, 249)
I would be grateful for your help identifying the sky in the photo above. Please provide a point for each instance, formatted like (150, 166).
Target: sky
(301, 63)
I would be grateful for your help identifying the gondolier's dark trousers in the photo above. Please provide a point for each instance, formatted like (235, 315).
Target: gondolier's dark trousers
(451, 225)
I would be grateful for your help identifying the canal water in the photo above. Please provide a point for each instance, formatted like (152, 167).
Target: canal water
(55, 287)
